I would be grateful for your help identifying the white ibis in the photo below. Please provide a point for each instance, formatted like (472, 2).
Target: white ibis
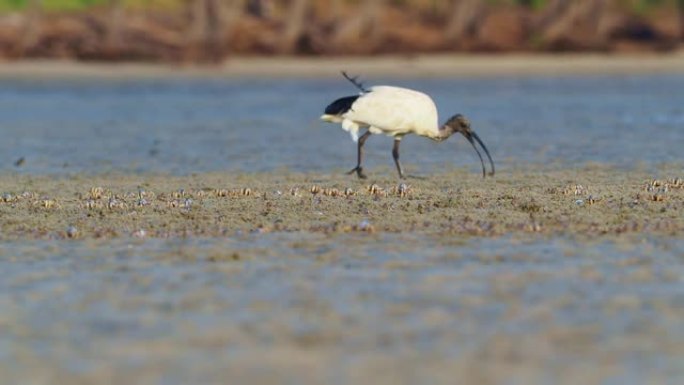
(396, 112)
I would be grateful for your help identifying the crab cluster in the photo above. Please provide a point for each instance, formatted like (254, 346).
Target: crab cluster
(657, 188)
(223, 193)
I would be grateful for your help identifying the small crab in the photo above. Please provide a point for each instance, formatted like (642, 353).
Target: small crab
(96, 192)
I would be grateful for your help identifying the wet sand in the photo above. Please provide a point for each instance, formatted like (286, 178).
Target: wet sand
(454, 65)
(591, 201)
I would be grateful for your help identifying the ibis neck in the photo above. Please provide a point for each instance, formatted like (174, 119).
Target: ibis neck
(444, 133)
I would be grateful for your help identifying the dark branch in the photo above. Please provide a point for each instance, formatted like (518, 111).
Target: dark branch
(355, 82)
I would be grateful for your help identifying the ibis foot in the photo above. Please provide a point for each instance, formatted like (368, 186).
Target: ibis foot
(359, 172)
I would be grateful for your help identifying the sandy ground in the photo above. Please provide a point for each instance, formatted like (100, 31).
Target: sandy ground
(591, 201)
(389, 66)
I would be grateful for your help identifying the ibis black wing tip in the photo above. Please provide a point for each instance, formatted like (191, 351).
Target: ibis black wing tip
(341, 105)
(355, 81)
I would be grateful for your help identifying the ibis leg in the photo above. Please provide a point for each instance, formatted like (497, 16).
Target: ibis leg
(358, 169)
(395, 155)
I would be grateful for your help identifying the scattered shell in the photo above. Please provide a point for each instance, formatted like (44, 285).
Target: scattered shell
(115, 204)
(28, 195)
(92, 204)
(377, 190)
(374, 188)
(260, 230)
(72, 232)
(140, 233)
(534, 227)
(46, 203)
(366, 226)
(403, 189)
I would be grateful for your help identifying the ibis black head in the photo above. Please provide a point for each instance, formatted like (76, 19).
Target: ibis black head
(459, 123)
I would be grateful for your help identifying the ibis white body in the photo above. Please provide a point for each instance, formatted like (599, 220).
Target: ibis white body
(393, 111)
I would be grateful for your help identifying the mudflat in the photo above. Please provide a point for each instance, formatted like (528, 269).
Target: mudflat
(591, 201)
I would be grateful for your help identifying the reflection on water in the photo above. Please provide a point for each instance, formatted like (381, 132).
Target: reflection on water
(190, 125)
(194, 310)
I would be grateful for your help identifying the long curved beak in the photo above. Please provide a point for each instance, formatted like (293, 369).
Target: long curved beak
(470, 135)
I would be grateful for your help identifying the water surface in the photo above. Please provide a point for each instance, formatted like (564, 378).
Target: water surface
(194, 125)
(311, 308)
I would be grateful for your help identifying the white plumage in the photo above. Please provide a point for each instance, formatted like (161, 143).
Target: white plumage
(395, 112)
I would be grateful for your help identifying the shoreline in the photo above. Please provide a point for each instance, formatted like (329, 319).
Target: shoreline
(420, 66)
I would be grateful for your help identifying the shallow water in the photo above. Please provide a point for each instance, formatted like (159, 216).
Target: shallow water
(345, 308)
(194, 125)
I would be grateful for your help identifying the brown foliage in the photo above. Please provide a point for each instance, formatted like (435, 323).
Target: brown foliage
(211, 30)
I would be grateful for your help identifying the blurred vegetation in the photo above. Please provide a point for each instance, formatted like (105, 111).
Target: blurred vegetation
(75, 5)
(78, 5)
(211, 30)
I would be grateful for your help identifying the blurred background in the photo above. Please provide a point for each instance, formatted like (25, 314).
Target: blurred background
(213, 30)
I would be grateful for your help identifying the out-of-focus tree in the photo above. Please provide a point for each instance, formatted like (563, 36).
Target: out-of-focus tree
(31, 29)
(363, 29)
(294, 26)
(464, 17)
(210, 20)
(680, 6)
(113, 35)
(560, 18)
(260, 8)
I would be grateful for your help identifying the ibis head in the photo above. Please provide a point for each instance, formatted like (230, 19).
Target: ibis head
(459, 123)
